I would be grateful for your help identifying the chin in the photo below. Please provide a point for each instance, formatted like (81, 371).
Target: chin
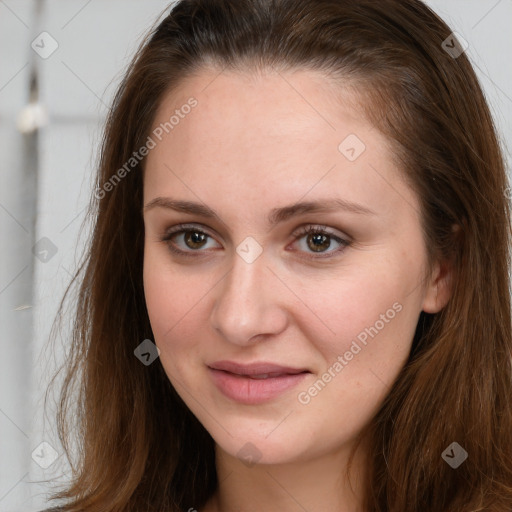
(256, 446)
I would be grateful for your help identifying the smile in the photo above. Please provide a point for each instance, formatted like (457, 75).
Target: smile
(256, 388)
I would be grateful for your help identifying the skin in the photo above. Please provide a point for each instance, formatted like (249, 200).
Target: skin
(255, 142)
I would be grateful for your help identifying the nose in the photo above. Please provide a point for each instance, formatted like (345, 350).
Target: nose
(248, 306)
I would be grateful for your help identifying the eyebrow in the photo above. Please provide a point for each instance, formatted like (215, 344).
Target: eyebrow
(276, 215)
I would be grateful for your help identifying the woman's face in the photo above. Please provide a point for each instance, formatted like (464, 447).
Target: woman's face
(333, 312)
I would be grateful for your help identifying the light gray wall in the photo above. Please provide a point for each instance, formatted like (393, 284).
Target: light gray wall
(45, 182)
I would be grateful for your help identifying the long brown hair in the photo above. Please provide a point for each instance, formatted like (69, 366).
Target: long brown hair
(140, 448)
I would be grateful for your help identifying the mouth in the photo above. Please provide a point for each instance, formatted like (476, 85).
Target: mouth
(256, 383)
(261, 370)
(264, 375)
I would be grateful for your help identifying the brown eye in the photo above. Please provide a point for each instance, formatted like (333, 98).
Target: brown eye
(318, 240)
(192, 238)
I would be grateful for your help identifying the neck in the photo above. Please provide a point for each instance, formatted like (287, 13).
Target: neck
(319, 484)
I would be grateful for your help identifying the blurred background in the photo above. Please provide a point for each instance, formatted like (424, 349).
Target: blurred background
(60, 63)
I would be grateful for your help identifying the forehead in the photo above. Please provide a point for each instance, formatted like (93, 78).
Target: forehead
(274, 103)
(270, 137)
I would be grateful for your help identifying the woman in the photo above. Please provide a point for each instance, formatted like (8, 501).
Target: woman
(296, 294)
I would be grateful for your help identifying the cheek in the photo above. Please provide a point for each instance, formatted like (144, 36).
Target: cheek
(166, 290)
(158, 295)
(368, 319)
(175, 303)
(373, 329)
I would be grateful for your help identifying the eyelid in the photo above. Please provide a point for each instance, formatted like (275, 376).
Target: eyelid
(299, 230)
(312, 227)
(178, 228)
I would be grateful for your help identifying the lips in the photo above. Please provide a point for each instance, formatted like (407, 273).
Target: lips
(254, 383)
(267, 375)
(256, 370)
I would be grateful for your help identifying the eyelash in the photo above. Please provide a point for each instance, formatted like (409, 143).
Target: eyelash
(305, 230)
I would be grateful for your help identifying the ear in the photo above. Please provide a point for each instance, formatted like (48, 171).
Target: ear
(439, 288)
